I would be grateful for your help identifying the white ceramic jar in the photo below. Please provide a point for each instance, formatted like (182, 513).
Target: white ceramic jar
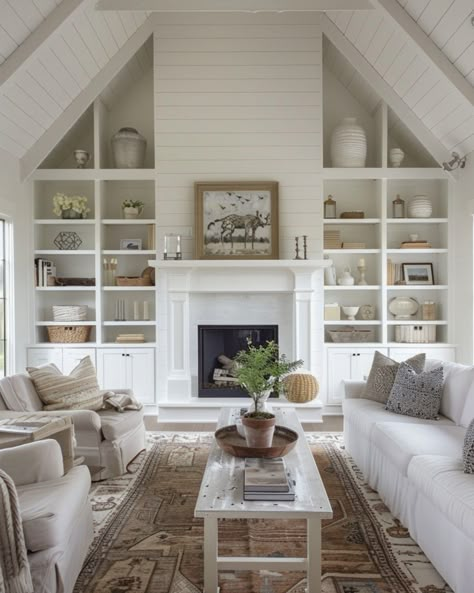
(403, 307)
(128, 148)
(348, 144)
(420, 207)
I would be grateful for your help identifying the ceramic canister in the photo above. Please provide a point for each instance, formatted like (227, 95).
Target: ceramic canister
(348, 144)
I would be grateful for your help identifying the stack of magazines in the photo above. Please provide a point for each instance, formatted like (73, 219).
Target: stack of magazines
(267, 479)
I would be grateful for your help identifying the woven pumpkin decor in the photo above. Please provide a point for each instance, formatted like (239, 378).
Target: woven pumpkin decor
(301, 388)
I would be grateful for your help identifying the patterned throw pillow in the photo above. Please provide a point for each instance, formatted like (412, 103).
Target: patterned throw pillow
(468, 450)
(416, 394)
(77, 391)
(382, 375)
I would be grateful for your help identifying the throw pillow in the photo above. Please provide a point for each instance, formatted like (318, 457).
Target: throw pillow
(468, 450)
(77, 391)
(416, 394)
(382, 375)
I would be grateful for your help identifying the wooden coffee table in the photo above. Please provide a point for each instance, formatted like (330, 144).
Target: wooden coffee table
(59, 428)
(221, 497)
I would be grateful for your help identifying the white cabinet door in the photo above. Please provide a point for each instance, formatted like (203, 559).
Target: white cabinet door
(362, 363)
(141, 373)
(39, 356)
(339, 369)
(439, 353)
(73, 356)
(112, 368)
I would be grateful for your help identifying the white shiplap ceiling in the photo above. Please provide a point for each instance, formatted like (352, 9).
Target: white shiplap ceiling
(65, 63)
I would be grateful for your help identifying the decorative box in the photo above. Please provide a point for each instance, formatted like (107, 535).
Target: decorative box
(332, 312)
(415, 334)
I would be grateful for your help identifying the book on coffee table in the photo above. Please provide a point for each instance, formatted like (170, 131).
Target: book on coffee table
(267, 479)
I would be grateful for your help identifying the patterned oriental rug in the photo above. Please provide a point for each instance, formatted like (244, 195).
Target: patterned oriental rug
(148, 541)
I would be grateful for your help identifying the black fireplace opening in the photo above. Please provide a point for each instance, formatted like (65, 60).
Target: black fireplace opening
(217, 345)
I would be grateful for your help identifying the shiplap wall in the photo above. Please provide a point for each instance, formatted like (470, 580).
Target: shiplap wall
(238, 97)
(400, 62)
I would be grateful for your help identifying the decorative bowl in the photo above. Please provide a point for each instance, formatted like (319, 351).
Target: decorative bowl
(350, 312)
(403, 307)
(230, 441)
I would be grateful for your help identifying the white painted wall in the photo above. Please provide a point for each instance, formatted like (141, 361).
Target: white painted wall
(238, 97)
(464, 262)
(14, 206)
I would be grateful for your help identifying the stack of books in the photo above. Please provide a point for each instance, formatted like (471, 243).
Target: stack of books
(332, 239)
(151, 234)
(419, 244)
(44, 269)
(267, 479)
(394, 273)
(130, 339)
(353, 245)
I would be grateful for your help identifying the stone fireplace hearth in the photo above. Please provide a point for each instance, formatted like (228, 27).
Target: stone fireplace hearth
(283, 293)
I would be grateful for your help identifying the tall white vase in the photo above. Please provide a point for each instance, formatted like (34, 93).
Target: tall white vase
(348, 144)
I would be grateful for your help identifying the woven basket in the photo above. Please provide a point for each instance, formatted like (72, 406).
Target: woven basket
(133, 281)
(69, 312)
(69, 334)
(301, 388)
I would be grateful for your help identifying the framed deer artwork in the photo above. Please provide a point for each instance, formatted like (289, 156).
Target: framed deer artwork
(236, 220)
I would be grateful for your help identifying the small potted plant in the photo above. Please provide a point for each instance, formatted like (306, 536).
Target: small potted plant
(132, 208)
(259, 371)
(70, 206)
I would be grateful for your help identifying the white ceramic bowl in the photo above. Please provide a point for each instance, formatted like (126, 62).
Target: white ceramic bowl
(350, 312)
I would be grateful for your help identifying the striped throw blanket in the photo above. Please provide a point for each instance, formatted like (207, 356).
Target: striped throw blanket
(15, 574)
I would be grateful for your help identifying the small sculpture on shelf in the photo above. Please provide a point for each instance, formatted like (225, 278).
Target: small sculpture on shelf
(346, 279)
(82, 157)
(396, 156)
(68, 240)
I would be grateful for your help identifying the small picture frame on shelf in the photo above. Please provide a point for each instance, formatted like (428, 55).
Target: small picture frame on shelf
(417, 273)
(134, 244)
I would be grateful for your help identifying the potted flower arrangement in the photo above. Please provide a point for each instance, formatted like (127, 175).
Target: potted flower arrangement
(132, 208)
(259, 370)
(70, 206)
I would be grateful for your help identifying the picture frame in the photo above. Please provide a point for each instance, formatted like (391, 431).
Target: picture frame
(236, 220)
(131, 244)
(418, 273)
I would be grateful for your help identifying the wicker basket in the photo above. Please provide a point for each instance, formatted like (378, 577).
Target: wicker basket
(69, 312)
(301, 388)
(133, 281)
(349, 335)
(73, 334)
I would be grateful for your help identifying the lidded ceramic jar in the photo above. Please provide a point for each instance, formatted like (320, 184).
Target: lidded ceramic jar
(348, 144)
(128, 149)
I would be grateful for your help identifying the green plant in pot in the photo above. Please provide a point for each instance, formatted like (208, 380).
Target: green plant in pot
(132, 208)
(259, 371)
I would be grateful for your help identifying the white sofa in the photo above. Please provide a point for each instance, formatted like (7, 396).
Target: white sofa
(55, 511)
(416, 466)
(107, 439)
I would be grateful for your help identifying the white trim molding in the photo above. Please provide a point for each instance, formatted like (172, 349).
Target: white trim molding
(233, 5)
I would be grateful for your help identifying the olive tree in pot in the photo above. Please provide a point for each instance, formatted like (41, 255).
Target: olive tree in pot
(259, 370)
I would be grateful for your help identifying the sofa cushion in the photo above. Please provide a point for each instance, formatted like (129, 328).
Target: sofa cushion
(400, 442)
(77, 391)
(382, 375)
(49, 509)
(468, 411)
(19, 394)
(468, 450)
(116, 424)
(416, 394)
(458, 380)
(364, 413)
(442, 480)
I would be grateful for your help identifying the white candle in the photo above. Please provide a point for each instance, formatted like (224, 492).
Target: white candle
(136, 313)
(165, 249)
(146, 311)
(178, 244)
(361, 262)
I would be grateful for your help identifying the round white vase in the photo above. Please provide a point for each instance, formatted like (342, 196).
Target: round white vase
(396, 156)
(348, 144)
(420, 207)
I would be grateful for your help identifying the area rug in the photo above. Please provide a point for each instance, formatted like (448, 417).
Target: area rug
(148, 541)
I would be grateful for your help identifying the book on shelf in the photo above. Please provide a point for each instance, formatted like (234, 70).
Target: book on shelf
(44, 269)
(130, 339)
(151, 238)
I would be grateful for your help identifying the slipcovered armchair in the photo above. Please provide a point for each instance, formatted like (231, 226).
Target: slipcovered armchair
(108, 440)
(55, 511)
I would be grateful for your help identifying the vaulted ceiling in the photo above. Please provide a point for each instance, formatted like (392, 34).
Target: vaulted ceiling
(52, 54)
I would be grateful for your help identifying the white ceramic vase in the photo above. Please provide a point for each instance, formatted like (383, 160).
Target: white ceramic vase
(348, 144)
(128, 149)
(420, 207)
(396, 156)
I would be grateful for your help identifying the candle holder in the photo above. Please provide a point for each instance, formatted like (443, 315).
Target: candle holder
(305, 246)
(172, 248)
(297, 248)
(362, 281)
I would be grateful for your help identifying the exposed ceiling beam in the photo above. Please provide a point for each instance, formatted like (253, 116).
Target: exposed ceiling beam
(402, 20)
(385, 91)
(39, 151)
(233, 5)
(25, 52)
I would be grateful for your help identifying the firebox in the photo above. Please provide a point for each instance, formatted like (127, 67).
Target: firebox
(217, 346)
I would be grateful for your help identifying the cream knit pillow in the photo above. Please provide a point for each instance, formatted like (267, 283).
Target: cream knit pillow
(77, 391)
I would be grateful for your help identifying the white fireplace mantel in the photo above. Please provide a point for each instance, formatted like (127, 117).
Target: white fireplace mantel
(293, 288)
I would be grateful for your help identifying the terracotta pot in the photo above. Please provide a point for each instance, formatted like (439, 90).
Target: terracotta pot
(259, 431)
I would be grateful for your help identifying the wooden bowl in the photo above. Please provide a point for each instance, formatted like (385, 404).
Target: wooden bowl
(229, 440)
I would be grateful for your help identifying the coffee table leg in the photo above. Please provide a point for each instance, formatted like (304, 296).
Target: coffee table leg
(314, 555)
(210, 554)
